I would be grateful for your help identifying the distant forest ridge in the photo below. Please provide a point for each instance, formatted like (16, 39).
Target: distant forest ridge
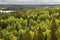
(16, 7)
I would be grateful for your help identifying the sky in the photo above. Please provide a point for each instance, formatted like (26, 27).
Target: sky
(29, 1)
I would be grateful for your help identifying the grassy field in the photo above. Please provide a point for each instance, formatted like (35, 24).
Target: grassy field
(39, 23)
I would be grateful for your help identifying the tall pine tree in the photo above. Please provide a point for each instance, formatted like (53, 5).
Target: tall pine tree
(53, 29)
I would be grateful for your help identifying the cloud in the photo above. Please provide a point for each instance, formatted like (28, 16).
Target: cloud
(36, 0)
(29, 1)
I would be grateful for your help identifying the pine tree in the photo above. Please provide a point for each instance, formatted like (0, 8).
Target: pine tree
(20, 36)
(27, 35)
(35, 36)
(53, 30)
(40, 34)
(14, 38)
(1, 35)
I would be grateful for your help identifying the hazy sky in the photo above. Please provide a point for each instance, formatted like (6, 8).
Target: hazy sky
(30, 1)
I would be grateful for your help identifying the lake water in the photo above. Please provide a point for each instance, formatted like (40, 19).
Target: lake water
(6, 11)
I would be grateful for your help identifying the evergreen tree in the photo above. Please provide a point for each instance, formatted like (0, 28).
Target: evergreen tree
(53, 30)
(39, 34)
(27, 35)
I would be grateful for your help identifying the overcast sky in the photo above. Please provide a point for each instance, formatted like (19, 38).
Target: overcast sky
(30, 1)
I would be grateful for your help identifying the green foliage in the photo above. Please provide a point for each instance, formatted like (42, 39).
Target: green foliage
(41, 23)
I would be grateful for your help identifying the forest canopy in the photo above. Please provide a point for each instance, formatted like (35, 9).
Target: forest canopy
(40, 23)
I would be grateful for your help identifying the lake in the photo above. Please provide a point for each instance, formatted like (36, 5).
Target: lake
(6, 11)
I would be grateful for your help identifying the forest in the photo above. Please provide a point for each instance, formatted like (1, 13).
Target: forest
(40, 23)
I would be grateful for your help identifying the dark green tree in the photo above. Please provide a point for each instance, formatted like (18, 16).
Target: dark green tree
(53, 29)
